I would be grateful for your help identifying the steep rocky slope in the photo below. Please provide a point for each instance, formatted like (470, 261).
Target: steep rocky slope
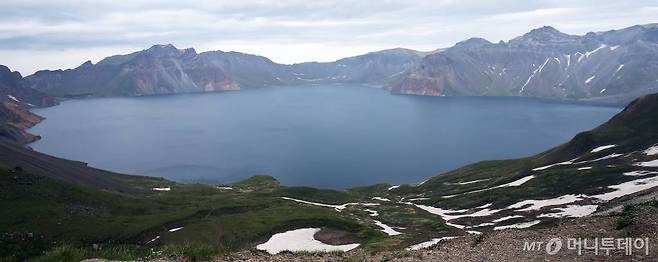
(543, 63)
(164, 69)
(161, 69)
(376, 68)
(15, 98)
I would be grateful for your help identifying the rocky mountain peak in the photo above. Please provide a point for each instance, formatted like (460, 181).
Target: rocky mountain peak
(163, 50)
(8, 77)
(546, 35)
(473, 42)
(86, 64)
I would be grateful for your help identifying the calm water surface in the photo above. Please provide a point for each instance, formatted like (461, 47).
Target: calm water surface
(323, 136)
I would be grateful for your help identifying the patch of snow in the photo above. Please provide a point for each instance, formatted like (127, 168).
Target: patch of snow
(429, 243)
(447, 214)
(601, 148)
(153, 240)
(538, 204)
(473, 232)
(587, 54)
(300, 240)
(652, 163)
(539, 69)
(373, 213)
(614, 47)
(418, 198)
(175, 229)
(468, 182)
(486, 224)
(337, 207)
(393, 187)
(575, 163)
(387, 229)
(628, 188)
(381, 199)
(506, 218)
(600, 158)
(552, 165)
(517, 182)
(455, 225)
(13, 98)
(619, 68)
(519, 225)
(652, 151)
(572, 211)
(225, 187)
(484, 206)
(640, 173)
(162, 189)
(585, 168)
(590, 79)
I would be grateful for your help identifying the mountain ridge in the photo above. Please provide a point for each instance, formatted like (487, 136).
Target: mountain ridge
(165, 69)
(615, 65)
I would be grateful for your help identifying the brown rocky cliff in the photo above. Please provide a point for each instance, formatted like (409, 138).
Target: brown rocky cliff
(14, 120)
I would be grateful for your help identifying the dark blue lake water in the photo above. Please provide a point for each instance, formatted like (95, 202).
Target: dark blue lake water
(322, 136)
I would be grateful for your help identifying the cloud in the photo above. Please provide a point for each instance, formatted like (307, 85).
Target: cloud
(35, 34)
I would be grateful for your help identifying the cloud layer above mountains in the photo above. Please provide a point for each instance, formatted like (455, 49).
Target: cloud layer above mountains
(62, 34)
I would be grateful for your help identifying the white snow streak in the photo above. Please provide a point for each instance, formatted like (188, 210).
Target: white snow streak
(619, 68)
(590, 79)
(175, 229)
(640, 173)
(429, 243)
(13, 98)
(337, 207)
(601, 148)
(651, 151)
(519, 225)
(538, 204)
(506, 218)
(393, 187)
(652, 163)
(381, 199)
(628, 188)
(572, 211)
(539, 69)
(387, 229)
(587, 54)
(467, 182)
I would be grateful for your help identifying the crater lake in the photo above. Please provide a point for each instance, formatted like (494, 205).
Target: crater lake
(328, 136)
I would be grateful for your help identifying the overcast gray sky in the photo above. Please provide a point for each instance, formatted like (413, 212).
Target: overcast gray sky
(55, 34)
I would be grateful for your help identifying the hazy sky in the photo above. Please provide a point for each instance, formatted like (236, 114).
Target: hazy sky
(63, 34)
